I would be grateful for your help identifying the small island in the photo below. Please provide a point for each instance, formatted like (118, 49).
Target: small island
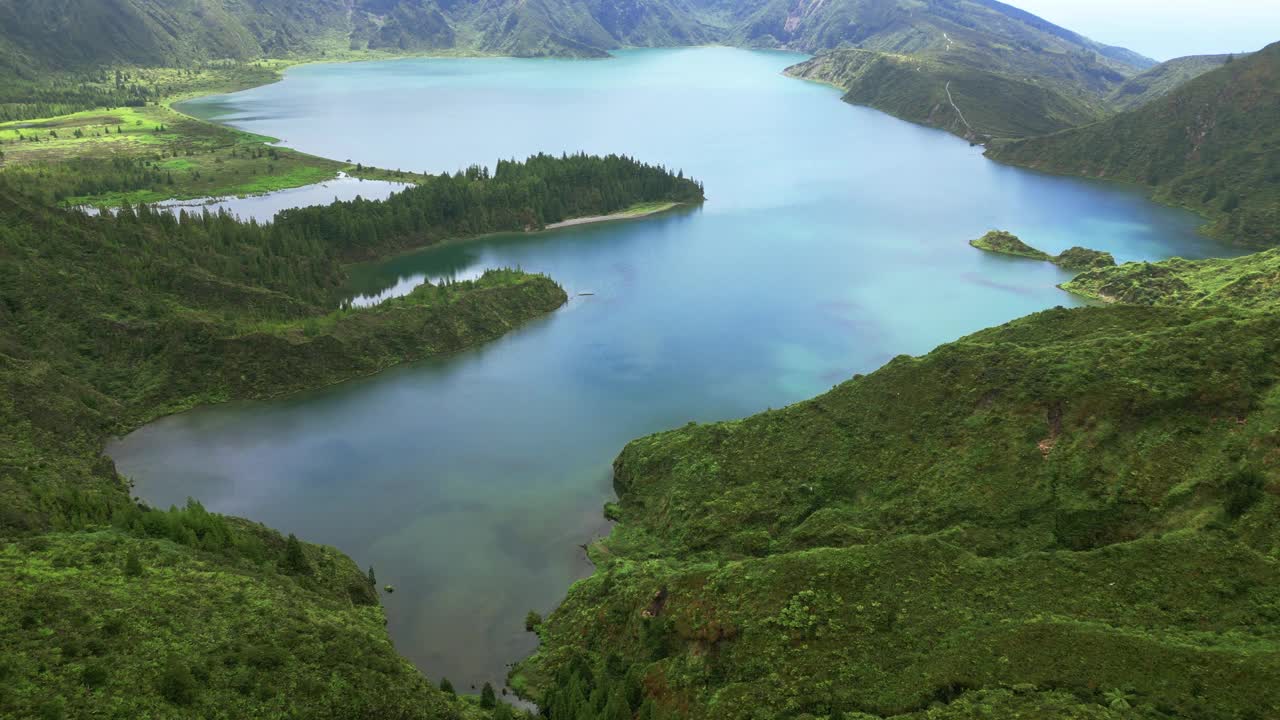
(1006, 243)
(1076, 258)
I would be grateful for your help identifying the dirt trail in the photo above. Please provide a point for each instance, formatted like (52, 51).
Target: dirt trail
(957, 109)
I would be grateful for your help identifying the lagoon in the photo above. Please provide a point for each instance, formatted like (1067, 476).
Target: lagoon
(834, 238)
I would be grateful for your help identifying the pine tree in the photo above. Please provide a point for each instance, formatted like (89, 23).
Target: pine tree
(132, 565)
(446, 686)
(295, 560)
(487, 698)
(373, 580)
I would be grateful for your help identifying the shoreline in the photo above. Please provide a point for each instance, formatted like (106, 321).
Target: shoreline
(633, 213)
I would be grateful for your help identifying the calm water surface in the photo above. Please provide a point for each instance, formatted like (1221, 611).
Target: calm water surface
(834, 238)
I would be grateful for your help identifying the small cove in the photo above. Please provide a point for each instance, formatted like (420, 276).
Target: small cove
(834, 238)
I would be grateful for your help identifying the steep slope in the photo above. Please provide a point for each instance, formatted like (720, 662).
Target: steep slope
(981, 70)
(1163, 79)
(70, 33)
(1212, 144)
(1005, 37)
(941, 92)
(1070, 516)
(67, 34)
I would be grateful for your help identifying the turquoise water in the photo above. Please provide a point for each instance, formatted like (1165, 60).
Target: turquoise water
(834, 238)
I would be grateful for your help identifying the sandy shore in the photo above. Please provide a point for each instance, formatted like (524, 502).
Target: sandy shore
(624, 215)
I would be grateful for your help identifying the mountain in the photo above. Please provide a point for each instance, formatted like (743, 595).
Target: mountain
(66, 34)
(1074, 515)
(78, 33)
(978, 69)
(1213, 145)
(1163, 79)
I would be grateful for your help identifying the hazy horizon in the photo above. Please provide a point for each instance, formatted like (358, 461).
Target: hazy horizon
(1164, 29)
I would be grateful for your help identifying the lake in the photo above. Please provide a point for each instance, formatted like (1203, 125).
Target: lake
(834, 238)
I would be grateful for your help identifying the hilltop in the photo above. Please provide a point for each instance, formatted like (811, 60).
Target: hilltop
(1212, 145)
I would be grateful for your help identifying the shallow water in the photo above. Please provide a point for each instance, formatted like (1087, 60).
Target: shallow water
(834, 238)
(263, 208)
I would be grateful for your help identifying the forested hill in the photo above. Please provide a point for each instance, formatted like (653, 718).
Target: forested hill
(1213, 145)
(63, 34)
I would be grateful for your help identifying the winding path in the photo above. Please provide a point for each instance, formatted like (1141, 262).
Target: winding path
(957, 109)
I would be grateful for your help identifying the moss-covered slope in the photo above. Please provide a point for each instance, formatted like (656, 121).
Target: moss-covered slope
(1252, 281)
(1072, 515)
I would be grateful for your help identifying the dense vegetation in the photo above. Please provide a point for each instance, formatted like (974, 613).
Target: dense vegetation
(32, 92)
(1252, 281)
(1070, 516)
(517, 196)
(108, 321)
(1074, 258)
(1212, 145)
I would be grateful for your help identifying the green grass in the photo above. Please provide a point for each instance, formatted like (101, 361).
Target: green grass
(192, 158)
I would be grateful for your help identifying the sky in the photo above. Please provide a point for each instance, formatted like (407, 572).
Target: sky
(1164, 29)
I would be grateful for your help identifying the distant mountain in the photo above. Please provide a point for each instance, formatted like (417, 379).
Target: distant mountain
(72, 33)
(1163, 79)
(1213, 144)
(66, 34)
(993, 35)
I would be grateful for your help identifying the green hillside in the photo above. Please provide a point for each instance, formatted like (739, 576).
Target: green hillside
(981, 70)
(1073, 515)
(84, 34)
(1252, 281)
(941, 92)
(1212, 145)
(1163, 79)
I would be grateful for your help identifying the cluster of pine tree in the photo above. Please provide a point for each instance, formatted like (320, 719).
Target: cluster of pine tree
(517, 196)
(88, 177)
(609, 692)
